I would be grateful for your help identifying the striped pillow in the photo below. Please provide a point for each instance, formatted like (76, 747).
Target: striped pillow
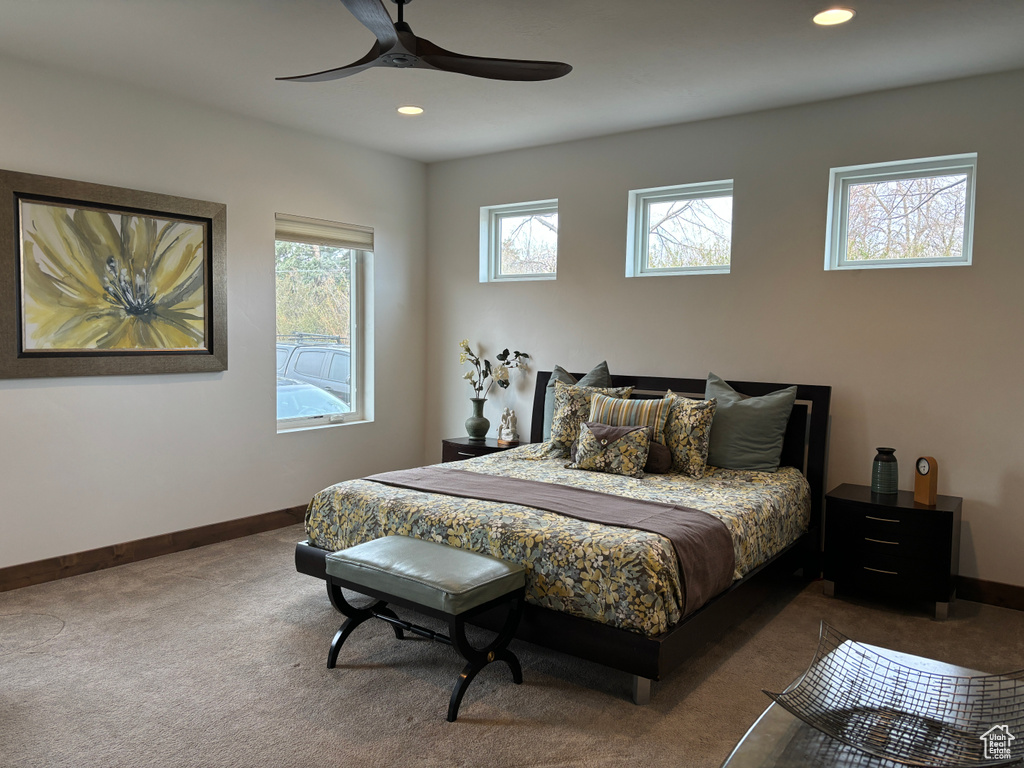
(631, 413)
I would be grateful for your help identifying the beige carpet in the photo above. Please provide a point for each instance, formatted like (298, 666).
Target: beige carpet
(216, 657)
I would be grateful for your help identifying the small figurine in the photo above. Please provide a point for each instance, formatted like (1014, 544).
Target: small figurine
(507, 429)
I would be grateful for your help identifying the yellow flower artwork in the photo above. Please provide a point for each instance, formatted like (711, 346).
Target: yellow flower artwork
(94, 279)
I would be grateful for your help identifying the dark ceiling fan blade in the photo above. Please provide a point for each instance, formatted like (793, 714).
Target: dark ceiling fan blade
(398, 47)
(437, 57)
(371, 59)
(374, 16)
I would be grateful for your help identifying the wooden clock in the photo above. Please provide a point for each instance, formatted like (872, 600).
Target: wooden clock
(926, 481)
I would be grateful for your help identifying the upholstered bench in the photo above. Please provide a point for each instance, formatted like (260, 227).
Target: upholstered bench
(437, 580)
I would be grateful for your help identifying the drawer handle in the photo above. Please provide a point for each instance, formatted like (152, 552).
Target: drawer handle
(881, 541)
(879, 570)
(882, 519)
(464, 454)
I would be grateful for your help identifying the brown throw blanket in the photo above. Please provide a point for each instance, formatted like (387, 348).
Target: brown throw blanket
(702, 542)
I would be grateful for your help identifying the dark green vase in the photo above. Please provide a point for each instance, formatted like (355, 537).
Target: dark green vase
(884, 472)
(477, 424)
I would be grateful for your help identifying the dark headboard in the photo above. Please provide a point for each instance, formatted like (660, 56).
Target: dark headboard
(804, 447)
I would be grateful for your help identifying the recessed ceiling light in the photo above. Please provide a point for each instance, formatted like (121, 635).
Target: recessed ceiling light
(834, 16)
(410, 110)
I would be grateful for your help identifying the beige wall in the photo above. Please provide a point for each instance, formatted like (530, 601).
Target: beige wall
(89, 462)
(928, 361)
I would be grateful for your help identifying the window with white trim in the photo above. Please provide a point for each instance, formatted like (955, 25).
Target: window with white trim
(684, 229)
(323, 272)
(519, 241)
(910, 213)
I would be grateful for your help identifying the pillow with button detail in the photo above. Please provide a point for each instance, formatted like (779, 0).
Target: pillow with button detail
(572, 407)
(688, 433)
(652, 413)
(615, 450)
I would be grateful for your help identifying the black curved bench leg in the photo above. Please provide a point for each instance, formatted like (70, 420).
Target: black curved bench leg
(468, 673)
(340, 637)
(355, 617)
(496, 650)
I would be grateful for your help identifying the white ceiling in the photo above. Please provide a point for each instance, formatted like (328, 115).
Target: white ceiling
(637, 63)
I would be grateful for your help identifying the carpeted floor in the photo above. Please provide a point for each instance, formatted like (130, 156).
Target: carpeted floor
(216, 657)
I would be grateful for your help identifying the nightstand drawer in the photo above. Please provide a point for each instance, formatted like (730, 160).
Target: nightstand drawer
(896, 541)
(894, 578)
(886, 562)
(451, 452)
(461, 448)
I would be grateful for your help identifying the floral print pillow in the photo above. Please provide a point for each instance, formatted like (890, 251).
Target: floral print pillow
(616, 450)
(688, 433)
(572, 408)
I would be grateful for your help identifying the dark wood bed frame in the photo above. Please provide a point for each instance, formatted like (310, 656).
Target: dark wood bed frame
(651, 658)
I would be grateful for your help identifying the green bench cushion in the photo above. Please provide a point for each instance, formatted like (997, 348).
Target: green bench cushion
(434, 575)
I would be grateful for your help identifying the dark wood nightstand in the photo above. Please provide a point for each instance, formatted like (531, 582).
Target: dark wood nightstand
(459, 448)
(882, 545)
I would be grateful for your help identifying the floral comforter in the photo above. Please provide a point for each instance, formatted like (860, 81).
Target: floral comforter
(618, 576)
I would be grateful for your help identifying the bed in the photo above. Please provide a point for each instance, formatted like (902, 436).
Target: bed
(631, 619)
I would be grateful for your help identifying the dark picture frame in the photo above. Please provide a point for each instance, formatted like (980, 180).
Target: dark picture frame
(75, 295)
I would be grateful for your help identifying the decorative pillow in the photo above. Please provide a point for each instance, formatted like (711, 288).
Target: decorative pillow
(748, 431)
(635, 413)
(659, 458)
(598, 377)
(616, 450)
(688, 432)
(572, 407)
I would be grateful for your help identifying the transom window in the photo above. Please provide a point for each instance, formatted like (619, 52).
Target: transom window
(519, 242)
(911, 213)
(680, 230)
(322, 270)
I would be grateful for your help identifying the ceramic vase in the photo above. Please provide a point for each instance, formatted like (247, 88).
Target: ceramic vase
(884, 472)
(477, 424)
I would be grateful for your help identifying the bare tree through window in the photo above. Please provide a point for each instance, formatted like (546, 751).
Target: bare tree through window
(529, 244)
(689, 233)
(902, 213)
(313, 290)
(920, 218)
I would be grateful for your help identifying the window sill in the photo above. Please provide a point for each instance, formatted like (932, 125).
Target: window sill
(311, 425)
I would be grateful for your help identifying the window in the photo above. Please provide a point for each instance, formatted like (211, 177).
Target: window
(680, 230)
(912, 213)
(322, 273)
(519, 242)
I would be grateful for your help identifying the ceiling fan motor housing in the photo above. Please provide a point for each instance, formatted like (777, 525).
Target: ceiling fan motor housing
(400, 60)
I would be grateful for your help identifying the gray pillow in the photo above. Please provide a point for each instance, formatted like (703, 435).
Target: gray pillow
(598, 377)
(747, 432)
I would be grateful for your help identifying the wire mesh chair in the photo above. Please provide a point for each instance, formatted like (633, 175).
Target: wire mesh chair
(906, 715)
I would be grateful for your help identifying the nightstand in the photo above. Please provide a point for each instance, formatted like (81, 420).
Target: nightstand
(887, 545)
(459, 448)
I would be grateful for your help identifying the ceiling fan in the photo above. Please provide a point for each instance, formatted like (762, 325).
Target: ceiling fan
(397, 46)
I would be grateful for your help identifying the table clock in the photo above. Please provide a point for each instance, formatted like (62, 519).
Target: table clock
(926, 481)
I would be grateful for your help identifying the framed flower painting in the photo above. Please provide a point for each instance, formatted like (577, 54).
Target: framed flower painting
(104, 280)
